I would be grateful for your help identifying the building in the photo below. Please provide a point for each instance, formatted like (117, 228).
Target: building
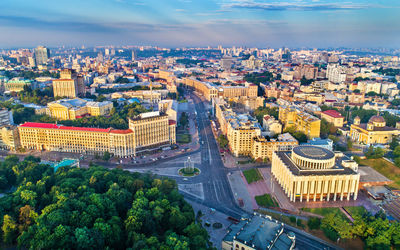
(336, 73)
(53, 137)
(17, 84)
(69, 85)
(242, 128)
(249, 90)
(334, 117)
(258, 232)
(210, 90)
(315, 173)
(9, 138)
(291, 116)
(170, 107)
(146, 132)
(71, 109)
(263, 147)
(6, 117)
(207, 89)
(42, 55)
(152, 129)
(272, 126)
(373, 132)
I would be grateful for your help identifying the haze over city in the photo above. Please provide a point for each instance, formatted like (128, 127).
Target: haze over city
(174, 23)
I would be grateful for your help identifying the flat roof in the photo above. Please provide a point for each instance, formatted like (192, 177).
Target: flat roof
(259, 230)
(337, 169)
(368, 174)
(313, 152)
(62, 127)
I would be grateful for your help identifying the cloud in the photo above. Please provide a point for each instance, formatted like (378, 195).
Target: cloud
(76, 26)
(281, 6)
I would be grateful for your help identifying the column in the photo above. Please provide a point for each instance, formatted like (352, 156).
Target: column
(341, 191)
(308, 190)
(301, 191)
(315, 190)
(322, 191)
(328, 191)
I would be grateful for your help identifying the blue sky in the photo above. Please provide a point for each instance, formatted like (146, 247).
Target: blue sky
(174, 23)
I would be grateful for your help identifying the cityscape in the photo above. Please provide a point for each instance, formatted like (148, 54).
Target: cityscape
(234, 125)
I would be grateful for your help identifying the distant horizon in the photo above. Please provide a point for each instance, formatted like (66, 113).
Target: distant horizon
(181, 23)
(31, 47)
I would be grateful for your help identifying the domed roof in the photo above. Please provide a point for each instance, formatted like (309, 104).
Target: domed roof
(357, 118)
(377, 118)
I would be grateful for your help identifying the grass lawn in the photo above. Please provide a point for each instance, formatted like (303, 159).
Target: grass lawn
(386, 168)
(252, 175)
(356, 210)
(325, 211)
(183, 138)
(266, 200)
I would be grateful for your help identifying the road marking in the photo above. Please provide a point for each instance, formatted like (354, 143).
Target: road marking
(215, 190)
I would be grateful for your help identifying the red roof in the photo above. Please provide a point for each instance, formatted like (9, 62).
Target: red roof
(121, 131)
(333, 113)
(56, 126)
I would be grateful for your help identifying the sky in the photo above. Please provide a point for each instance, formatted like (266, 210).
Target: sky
(188, 23)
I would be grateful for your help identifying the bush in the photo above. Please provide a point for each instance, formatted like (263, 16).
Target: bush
(314, 223)
(292, 219)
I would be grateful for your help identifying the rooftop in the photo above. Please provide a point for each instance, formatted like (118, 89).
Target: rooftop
(62, 127)
(312, 152)
(333, 113)
(337, 169)
(259, 232)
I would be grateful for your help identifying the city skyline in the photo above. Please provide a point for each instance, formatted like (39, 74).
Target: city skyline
(315, 23)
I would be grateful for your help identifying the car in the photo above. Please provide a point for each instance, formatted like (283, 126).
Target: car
(185, 179)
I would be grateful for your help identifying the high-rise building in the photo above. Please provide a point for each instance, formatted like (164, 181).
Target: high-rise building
(6, 117)
(133, 55)
(42, 54)
(69, 85)
(152, 129)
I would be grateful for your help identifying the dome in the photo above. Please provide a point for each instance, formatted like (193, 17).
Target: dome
(377, 118)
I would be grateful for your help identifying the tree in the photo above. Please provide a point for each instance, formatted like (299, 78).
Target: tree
(101, 98)
(106, 156)
(314, 223)
(9, 229)
(95, 208)
(394, 143)
(223, 141)
(260, 112)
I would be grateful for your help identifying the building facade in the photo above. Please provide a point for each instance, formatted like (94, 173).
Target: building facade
(334, 117)
(373, 132)
(69, 85)
(152, 129)
(263, 148)
(6, 117)
(42, 55)
(315, 173)
(145, 132)
(71, 109)
(293, 117)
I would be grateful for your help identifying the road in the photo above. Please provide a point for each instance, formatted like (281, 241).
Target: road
(217, 191)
